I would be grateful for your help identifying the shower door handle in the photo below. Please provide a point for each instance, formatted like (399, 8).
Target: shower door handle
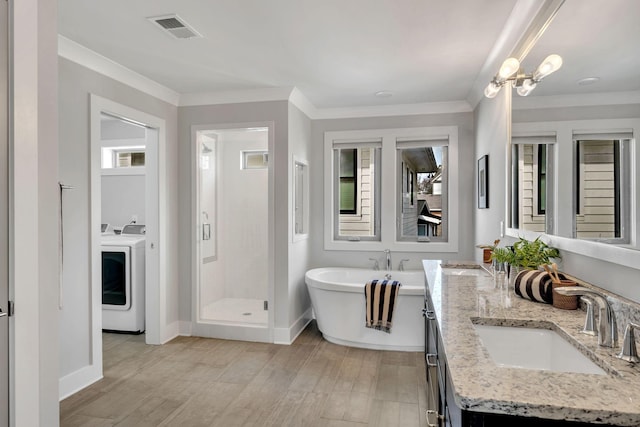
(206, 231)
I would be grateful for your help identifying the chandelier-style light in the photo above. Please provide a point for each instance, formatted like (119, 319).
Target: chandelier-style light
(510, 71)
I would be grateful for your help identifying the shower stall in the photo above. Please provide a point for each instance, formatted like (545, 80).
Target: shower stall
(232, 292)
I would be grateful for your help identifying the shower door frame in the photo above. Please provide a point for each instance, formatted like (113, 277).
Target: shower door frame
(240, 331)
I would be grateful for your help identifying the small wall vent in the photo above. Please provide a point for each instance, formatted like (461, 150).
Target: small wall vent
(175, 26)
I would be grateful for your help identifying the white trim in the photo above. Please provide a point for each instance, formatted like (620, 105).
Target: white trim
(576, 100)
(171, 331)
(288, 335)
(78, 380)
(201, 328)
(295, 236)
(92, 60)
(298, 99)
(234, 96)
(393, 110)
(157, 330)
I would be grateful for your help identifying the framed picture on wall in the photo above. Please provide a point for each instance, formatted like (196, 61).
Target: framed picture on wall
(483, 182)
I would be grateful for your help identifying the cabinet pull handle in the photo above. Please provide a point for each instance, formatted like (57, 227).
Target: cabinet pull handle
(434, 363)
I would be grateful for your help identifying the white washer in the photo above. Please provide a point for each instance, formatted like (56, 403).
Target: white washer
(123, 282)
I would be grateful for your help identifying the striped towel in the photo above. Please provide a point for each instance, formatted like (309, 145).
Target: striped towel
(535, 285)
(380, 298)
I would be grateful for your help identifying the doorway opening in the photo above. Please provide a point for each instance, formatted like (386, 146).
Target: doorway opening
(233, 265)
(156, 306)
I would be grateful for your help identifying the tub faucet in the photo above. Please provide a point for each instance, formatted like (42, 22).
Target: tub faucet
(387, 252)
(607, 327)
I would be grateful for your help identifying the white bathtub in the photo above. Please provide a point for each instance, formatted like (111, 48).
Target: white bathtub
(337, 296)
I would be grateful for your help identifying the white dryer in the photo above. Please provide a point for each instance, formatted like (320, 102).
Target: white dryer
(123, 281)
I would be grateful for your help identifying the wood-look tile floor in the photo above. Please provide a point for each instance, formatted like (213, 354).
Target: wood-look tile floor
(194, 381)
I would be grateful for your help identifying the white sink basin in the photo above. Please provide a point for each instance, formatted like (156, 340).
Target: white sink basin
(534, 348)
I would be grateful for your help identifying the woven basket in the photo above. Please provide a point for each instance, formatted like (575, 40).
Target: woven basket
(565, 302)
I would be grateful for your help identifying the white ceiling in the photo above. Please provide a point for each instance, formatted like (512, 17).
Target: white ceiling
(339, 53)
(595, 39)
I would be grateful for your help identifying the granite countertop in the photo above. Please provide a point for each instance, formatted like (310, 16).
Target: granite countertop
(480, 385)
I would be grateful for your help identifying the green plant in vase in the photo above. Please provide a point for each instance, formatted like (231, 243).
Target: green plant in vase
(501, 258)
(533, 254)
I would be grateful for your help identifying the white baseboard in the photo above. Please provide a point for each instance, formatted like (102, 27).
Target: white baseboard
(288, 335)
(76, 381)
(185, 329)
(171, 331)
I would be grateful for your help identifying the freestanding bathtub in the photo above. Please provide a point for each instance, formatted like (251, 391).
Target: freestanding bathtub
(337, 297)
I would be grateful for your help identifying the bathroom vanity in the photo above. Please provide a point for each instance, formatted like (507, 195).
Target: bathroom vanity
(466, 386)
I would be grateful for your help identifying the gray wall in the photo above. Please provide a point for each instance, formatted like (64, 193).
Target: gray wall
(34, 213)
(465, 167)
(122, 197)
(492, 138)
(299, 252)
(75, 85)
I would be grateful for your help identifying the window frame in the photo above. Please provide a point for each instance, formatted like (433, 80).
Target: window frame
(389, 183)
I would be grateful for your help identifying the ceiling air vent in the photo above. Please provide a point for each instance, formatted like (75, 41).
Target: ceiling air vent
(174, 25)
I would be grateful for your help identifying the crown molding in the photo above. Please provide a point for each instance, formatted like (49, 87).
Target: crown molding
(86, 57)
(575, 100)
(392, 110)
(235, 96)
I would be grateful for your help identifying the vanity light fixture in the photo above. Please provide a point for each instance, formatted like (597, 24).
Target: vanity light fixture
(510, 71)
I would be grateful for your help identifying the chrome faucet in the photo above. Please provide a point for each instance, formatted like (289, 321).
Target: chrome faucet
(629, 351)
(387, 252)
(607, 327)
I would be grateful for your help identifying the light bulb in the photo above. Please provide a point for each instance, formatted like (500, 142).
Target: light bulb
(491, 90)
(550, 64)
(509, 66)
(527, 86)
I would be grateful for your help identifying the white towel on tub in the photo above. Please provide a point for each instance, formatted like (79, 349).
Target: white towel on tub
(380, 299)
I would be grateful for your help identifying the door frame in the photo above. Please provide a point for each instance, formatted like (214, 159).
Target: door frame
(5, 347)
(245, 332)
(156, 227)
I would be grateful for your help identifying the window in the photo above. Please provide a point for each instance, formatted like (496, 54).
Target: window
(348, 180)
(254, 159)
(542, 179)
(602, 185)
(381, 180)
(357, 187)
(531, 182)
(123, 159)
(423, 166)
(300, 199)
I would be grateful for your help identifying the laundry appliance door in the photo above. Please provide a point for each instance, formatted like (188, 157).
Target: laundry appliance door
(116, 277)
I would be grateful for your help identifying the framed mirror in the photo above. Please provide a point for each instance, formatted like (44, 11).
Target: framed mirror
(574, 156)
